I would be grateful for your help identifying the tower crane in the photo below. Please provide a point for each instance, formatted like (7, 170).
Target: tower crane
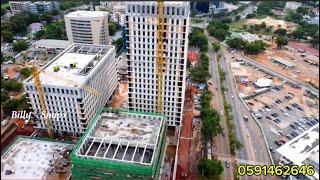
(160, 58)
(43, 105)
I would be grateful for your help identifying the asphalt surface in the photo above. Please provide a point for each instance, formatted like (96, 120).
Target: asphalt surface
(254, 149)
(222, 150)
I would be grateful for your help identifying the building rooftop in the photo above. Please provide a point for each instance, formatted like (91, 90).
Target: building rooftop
(30, 158)
(123, 136)
(84, 56)
(283, 61)
(303, 47)
(86, 14)
(303, 148)
(51, 43)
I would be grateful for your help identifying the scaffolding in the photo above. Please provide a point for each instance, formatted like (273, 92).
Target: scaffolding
(88, 165)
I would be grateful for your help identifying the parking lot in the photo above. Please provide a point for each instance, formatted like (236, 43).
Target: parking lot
(284, 113)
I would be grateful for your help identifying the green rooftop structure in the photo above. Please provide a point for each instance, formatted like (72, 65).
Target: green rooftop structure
(120, 144)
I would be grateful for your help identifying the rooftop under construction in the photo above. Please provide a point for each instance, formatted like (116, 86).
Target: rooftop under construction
(120, 143)
(35, 159)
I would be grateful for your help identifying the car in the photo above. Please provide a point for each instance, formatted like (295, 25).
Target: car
(293, 126)
(223, 133)
(227, 164)
(282, 110)
(268, 117)
(288, 136)
(245, 118)
(277, 143)
(273, 114)
(288, 108)
(287, 114)
(272, 150)
(232, 97)
(293, 134)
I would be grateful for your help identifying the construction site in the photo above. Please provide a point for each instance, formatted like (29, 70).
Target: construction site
(120, 144)
(29, 158)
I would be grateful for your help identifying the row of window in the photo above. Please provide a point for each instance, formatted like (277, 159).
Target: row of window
(147, 9)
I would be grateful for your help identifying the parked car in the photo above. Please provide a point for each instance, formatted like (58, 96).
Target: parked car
(245, 118)
(227, 164)
(272, 150)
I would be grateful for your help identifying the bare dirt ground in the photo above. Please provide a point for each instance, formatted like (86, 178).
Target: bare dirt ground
(302, 71)
(121, 95)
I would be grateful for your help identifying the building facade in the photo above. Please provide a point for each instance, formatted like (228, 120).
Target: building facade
(141, 37)
(89, 27)
(76, 83)
(34, 7)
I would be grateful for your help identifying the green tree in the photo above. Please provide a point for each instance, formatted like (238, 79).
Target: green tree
(119, 42)
(235, 43)
(7, 36)
(199, 74)
(211, 123)
(112, 28)
(25, 72)
(47, 17)
(315, 41)
(237, 18)
(281, 41)
(216, 46)
(11, 85)
(254, 47)
(211, 169)
(55, 31)
(10, 105)
(299, 33)
(4, 96)
(39, 35)
(281, 32)
(293, 17)
(20, 46)
(263, 25)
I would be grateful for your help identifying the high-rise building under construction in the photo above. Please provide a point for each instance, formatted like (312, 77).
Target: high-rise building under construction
(141, 37)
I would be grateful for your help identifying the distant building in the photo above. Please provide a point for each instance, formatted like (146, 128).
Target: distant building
(304, 49)
(263, 83)
(292, 5)
(34, 7)
(246, 36)
(217, 6)
(51, 45)
(35, 27)
(89, 27)
(283, 62)
(119, 17)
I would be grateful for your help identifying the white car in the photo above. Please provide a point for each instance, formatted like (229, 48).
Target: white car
(232, 97)
(287, 114)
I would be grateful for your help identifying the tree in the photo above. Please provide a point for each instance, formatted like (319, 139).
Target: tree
(254, 47)
(55, 31)
(199, 74)
(10, 105)
(4, 96)
(119, 42)
(20, 46)
(211, 169)
(263, 25)
(235, 43)
(281, 32)
(112, 28)
(216, 46)
(237, 18)
(315, 41)
(11, 85)
(39, 35)
(7, 36)
(298, 33)
(293, 17)
(197, 38)
(25, 72)
(47, 17)
(281, 41)
(211, 123)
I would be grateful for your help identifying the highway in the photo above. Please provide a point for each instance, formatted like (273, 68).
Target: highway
(222, 150)
(254, 149)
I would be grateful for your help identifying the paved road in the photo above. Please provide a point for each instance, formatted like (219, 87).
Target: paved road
(222, 142)
(254, 149)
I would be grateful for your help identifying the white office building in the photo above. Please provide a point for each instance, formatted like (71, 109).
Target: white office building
(89, 27)
(76, 83)
(141, 37)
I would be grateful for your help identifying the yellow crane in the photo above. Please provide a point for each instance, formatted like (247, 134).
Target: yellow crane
(43, 105)
(160, 58)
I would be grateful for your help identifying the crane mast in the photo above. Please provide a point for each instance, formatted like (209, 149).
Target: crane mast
(43, 106)
(160, 58)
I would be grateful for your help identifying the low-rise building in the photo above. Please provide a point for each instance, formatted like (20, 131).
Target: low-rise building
(284, 62)
(193, 57)
(31, 158)
(34, 7)
(302, 150)
(121, 144)
(50, 46)
(34, 28)
(292, 5)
